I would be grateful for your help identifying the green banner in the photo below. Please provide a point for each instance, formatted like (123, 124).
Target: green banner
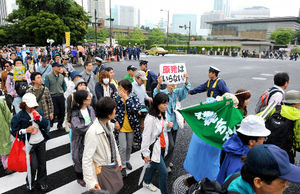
(214, 123)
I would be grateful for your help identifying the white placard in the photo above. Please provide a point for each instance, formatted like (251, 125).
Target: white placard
(173, 73)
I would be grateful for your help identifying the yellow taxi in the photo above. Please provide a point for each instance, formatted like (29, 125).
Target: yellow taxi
(156, 51)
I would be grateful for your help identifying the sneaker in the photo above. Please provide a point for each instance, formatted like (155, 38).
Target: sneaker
(150, 187)
(171, 165)
(81, 182)
(169, 169)
(44, 187)
(123, 172)
(128, 166)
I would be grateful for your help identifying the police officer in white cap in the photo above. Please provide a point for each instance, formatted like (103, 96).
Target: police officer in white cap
(214, 87)
(100, 67)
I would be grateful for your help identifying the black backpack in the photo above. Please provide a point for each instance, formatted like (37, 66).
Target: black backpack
(263, 100)
(282, 131)
(206, 186)
(21, 87)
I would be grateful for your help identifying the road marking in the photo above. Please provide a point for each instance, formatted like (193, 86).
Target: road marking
(259, 78)
(56, 142)
(267, 74)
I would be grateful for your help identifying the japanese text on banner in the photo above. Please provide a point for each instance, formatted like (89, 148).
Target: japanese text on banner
(173, 73)
(68, 38)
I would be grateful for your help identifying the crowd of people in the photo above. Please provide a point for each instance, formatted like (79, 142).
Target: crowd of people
(106, 119)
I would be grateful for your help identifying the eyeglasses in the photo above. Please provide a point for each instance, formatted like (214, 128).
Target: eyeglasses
(6, 65)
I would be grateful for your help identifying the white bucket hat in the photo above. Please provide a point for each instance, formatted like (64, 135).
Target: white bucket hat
(30, 100)
(254, 125)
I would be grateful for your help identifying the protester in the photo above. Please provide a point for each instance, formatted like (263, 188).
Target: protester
(82, 117)
(31, 122)
(100, 147)
(155, 132)
(56, 84)
(131, 73)
(127, 124)
(243, 97)
(74, 75)
(5, 146)
(150, 75)
(175, 95)
(266, 170)
(104, 88)
(252, 132)
(89, 77)
(43, 97)
(44, 68)
(8, 98)
(67, 67)
(284, 123)
(214, 87)
(17, 83)
(111, 72)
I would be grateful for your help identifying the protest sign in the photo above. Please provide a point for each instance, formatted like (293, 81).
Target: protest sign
(67, 38)
(19, 73)
(173, 73)
(214, 123)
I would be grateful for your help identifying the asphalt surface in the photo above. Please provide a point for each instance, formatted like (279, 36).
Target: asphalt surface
(255, 75)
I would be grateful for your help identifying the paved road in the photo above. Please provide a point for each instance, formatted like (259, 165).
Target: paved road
(253, 74)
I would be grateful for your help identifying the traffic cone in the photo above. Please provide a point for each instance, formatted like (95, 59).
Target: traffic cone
(109, 59)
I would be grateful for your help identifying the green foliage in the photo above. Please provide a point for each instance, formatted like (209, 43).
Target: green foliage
(296, 50)
(67, 14)
(297, 35)
(282, 36)
(173, 48)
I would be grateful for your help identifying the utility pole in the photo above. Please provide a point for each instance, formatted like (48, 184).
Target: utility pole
(96, 26)
(110, 31)
(188, 42)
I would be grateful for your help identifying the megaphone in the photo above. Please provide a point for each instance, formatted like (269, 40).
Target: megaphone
(50, 41)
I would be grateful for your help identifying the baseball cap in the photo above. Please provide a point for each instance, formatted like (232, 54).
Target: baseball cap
(268, 159)
(131, 67)
(141, 74)
(55, 64)
(30, 100)
(73, 74)
(143, 62)
(254, 125)
(292, 97)
(98, 59)
(65, 57)
(43, 59)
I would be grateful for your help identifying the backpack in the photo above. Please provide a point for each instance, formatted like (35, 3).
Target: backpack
(264, 99)
(21, 87)
(206, 186)
(282, 131)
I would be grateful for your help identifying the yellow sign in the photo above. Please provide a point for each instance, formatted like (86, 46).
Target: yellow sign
(19, 73)
(67, 38)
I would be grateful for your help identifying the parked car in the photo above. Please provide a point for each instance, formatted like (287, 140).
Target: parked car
(156, 51)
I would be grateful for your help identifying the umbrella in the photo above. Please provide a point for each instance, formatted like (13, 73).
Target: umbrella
(27, 150)
(143, 172)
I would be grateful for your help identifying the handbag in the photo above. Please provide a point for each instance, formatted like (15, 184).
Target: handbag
(109, 177)
(17, 156)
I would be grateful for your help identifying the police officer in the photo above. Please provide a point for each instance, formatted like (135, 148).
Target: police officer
(100, 67)
(214, 87)
(151, 81)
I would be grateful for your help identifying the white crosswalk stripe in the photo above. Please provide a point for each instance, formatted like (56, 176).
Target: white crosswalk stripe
(62, 162)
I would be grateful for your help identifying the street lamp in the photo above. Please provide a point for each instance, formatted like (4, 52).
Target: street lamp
(167, 28)
(189, 27)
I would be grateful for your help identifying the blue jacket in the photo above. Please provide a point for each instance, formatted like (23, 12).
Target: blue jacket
(99, 90)
(220, 89)
(98, 69)
(240, 186)
(22, 120)
(132, 107)
(178, 93)
(130, 51)
(234, 149)
(151, 79)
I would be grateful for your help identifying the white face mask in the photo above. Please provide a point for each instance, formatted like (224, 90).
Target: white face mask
(106, 81)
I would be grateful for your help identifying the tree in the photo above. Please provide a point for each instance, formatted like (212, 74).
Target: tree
(282, 36)
(297, 36)
(156, 36)
(72, 15)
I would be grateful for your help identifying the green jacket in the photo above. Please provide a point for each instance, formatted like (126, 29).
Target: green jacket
(293, 114)
(5, 118)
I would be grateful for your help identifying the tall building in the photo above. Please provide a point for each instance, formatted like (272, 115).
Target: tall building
(3, 12)
(183, 19)
(222, 5)
(115, 14)
(127, 16)
(251, 12)
(99, 5)
(205, 28)
(139, 18)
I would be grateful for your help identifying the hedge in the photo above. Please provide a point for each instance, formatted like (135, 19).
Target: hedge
(199, 47)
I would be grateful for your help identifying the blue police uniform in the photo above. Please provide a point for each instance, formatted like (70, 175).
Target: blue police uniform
(213, 88)
(130, 52)
(151, 78)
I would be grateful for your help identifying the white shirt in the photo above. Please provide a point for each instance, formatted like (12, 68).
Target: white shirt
(278, 96)
(38, 137)
(105, 91)
(140, 92)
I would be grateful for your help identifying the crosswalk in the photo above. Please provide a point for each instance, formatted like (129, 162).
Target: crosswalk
(61, 176)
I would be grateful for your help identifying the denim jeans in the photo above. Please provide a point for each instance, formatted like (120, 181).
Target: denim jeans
(16, 104)
(163, 175)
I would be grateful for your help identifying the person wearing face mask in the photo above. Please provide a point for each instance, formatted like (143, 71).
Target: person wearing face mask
(104, 88)
(174, 94)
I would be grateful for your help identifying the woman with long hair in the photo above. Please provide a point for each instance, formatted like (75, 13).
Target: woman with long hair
(155, 142)
(243, 96)
(82, 118)
(104, 88)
